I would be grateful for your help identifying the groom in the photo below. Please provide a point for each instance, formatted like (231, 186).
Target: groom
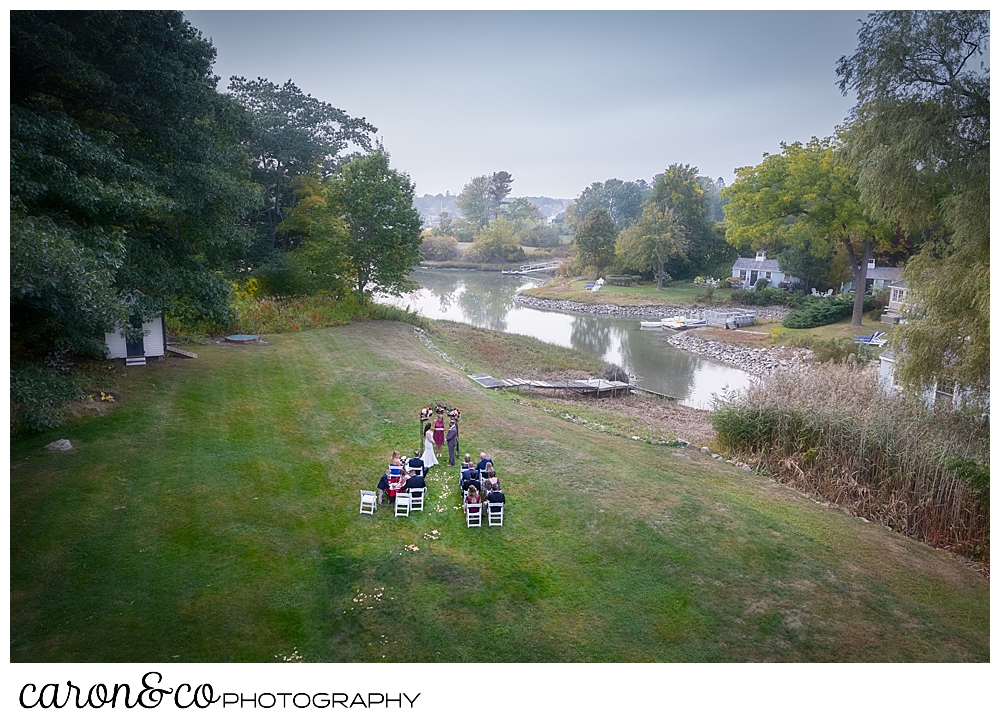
(452, 440)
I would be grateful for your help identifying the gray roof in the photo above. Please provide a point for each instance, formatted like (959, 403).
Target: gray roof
(755, 265)
(888, 273)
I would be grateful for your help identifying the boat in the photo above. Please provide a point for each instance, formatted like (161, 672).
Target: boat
(650, 324)
(683, 322)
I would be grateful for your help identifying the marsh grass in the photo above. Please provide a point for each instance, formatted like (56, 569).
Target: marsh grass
(275, 314)
(836, 432)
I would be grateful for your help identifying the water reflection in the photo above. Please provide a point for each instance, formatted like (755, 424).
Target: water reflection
(483, 299)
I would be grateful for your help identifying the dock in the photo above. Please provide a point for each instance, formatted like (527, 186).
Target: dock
(578, 386)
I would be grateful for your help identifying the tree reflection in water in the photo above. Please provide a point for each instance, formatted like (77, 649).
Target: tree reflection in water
(591, 333)
(486, 302)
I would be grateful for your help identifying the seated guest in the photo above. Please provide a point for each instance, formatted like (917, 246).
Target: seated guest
(470, 478)
(495, 496)
(414, 482)
(483, 459)
(472, 498)
(490, 480)
(467, 464)
(415, 464)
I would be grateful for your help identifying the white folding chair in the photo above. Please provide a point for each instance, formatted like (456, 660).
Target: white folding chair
(495, 514)
(369, 502)
(474, 515)
(403, 504)
(417, 498)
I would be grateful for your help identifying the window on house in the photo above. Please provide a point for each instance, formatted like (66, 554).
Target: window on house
(767, 275)
(743, 273)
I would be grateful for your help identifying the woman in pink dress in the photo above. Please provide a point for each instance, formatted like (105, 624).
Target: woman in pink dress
(438, 434)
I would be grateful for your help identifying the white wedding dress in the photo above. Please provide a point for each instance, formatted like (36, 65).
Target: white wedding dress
(430, 459)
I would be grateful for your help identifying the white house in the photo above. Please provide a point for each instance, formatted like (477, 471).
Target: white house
(153, 342)
(750, 270)
(937, 393)
(876, 277)
(896, 310)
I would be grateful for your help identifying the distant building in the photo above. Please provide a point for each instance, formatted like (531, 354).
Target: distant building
(749, 271)
(895, 312)
(876, 277)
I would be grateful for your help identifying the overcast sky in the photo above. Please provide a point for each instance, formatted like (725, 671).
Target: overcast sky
(558, 99)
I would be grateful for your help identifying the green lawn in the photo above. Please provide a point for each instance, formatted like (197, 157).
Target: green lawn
(213, 516)
(683, 293)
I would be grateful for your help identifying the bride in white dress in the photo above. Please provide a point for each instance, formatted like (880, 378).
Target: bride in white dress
(429, 458)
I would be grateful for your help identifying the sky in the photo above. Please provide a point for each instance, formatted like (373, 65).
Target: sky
(559, 99)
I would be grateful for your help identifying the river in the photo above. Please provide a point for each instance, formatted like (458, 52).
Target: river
(482, 299)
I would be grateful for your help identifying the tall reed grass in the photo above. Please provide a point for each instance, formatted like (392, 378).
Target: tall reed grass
(834, 431)
(275, 314)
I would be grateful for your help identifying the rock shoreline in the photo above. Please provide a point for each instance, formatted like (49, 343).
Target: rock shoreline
(634, 311)
(757, 362)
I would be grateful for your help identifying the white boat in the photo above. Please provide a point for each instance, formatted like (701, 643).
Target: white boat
(683, 322)
(650, 324)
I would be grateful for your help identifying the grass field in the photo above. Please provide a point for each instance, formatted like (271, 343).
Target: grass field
(683, 293)
(213, 516)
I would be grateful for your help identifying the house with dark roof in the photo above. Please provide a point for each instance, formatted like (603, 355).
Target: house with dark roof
(748, 271)
(876, 277)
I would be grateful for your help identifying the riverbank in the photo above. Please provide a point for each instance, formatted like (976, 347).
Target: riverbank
(633, 311)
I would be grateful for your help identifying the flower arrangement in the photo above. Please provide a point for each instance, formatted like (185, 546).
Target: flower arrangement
(428, 412)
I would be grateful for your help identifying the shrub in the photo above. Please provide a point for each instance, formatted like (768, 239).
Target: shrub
(497, 242)
(439, 248)
(836, 432)
(764, 297)
(38, 395)
(272, 314)
(820, 311)
(543, 237)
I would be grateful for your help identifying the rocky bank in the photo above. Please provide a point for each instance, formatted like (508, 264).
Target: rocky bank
(753, 361)
(634, 311)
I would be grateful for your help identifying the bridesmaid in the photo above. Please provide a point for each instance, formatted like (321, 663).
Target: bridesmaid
(438, 434)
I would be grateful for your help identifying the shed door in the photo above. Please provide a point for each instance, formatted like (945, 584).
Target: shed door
(753, 278)
(135, 348)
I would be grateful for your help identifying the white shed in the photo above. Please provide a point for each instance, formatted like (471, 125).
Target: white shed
(153, 342)
(750, 270)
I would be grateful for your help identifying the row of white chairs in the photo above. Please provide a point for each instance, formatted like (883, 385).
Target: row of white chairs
(406, 502)
(494, 515)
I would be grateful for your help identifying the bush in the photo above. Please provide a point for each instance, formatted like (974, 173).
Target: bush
(439, 248)
(38, 395)
(764, 297)
(543, 237)
(497, 242)
(836, 432)
(271, 315)
(820, 311)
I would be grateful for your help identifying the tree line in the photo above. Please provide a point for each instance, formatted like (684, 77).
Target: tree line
(138, 188)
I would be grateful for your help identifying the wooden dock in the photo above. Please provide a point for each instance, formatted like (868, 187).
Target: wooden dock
(578, 386)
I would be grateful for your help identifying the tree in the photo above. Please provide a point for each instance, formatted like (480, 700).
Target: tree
(654, 241)
(522, 214)
(919, 141)
(596, 235)
(806, 195)
(293, 133)
(621, 199)
(497, 242)
(128, 183)
(383, 228)
(482, 198)
(683, 190)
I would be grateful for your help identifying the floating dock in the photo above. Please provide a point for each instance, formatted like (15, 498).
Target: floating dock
(578, 386)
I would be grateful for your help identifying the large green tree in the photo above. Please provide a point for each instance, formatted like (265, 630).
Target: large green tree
(919, 140)
(382, 243)
(595, 237)
(482, 198)
(621, 199)
(806, 196)
(681, 189)
(293, 133)
(654, 241)
(128, 182)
